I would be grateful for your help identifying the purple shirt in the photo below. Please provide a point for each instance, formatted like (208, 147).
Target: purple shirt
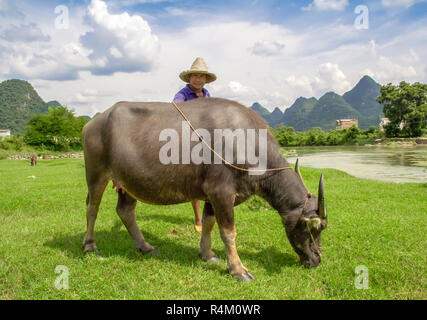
(187, 94)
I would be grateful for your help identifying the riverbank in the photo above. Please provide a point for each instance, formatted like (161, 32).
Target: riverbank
(292, 151)
(48, 156)
(25, 152)
(401, 142)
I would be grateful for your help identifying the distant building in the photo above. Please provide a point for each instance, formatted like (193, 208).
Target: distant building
(384, 122)
(4, 133)
(346, 123)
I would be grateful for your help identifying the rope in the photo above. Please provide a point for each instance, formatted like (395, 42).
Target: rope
(315, 245)
(218, 155)
(309, 195)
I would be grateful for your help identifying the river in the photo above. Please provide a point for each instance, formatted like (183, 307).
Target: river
(385, 163)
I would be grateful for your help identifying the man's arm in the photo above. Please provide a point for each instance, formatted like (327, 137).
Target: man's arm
(179, 97)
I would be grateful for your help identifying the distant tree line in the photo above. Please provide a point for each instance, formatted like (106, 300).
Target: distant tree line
(287, 136)
(56, 130)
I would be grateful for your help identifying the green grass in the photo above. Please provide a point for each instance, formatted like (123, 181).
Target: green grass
(43, 221)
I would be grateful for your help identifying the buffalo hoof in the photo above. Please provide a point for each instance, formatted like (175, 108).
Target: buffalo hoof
(244, 277)
(214, 259)
(151, 251)
(90, 248)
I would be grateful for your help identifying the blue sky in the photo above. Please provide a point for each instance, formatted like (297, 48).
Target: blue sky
(269, 51)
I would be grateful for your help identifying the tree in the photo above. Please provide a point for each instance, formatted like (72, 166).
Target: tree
(351, 134)
(286, 136)
(59, 130)
(405, 106)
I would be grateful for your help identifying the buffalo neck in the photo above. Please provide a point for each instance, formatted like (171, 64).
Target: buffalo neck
(283, 190)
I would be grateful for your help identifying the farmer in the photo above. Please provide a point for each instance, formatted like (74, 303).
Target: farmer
(195, 78)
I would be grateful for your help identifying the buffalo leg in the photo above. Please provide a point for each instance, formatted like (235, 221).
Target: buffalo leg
(234, 265)
(224, 213)
(93, 200)
(208, 223)
(126, 211)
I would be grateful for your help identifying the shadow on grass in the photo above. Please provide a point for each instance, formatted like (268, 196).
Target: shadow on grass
(119, 243)
(169, 218)
(271, 259)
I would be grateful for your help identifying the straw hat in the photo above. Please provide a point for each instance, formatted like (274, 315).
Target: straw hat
(198, 66)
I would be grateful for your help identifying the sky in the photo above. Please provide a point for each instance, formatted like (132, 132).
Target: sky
(90, 54)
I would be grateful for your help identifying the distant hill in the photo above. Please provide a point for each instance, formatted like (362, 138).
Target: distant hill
(297, 115)
(304, 113)
(329, 108)
(53, 104)
(363, 98)
(275, 117)
(18, 101)
(260, 109)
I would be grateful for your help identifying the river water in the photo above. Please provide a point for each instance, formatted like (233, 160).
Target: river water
(385, 163)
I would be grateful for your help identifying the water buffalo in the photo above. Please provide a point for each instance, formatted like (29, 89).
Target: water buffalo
(33, 159)
(123, 143)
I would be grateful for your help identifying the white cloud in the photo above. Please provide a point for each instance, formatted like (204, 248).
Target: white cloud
(173, 11)
(134, 2)
(301, 84)
(235, 90)
(116, 43)
(389, 71)
(323, 5)
(25, 33)
(373, 46)
(331, 78)
(88, 96)
(267, 48)
(45, 63)
(119, 42)
(400, 3)
(116, 53)
(8, 9)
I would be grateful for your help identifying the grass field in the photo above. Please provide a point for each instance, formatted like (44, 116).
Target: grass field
(42, 223)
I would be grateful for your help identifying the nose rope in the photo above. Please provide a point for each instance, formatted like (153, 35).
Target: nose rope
(309, 195)
(315, 245)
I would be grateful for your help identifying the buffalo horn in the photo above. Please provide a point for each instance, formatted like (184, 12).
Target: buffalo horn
(321, 199)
